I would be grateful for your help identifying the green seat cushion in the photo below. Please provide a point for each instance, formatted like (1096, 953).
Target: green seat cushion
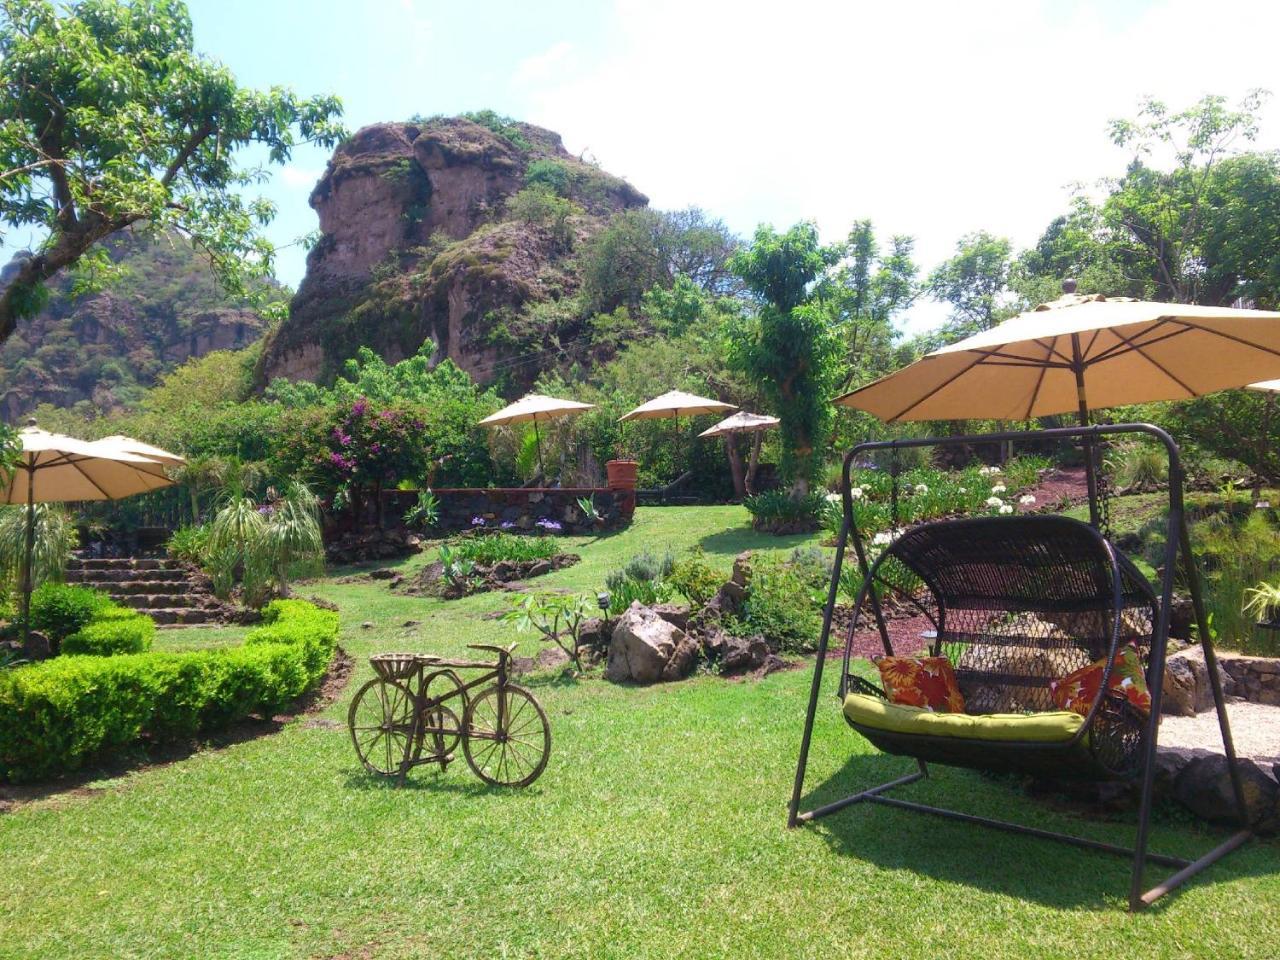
(1052, 727)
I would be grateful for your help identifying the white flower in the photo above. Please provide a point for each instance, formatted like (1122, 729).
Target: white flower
(999, 488)
(856, 493)
(881, 540)
(1026, 499)
(995, 469)
(1006, 509)
(921, 488)
(994, 502)
(832, 498)
(984, 471)
(963, 490)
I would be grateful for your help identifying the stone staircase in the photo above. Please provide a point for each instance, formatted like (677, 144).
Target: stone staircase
(168, 591)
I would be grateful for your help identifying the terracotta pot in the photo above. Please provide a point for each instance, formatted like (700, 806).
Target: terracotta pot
(622, 474)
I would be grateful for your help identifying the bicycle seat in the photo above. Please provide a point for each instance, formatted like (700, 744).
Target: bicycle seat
(493, 648)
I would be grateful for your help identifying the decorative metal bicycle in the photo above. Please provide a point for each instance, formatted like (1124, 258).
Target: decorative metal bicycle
(402, 718)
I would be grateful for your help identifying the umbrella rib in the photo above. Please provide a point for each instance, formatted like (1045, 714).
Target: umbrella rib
(1138, 349)
(1035, 394)
(1232, 338)
(940, 387)
(92, 482)
(1052, 348)
(1014, 360)
(1092, 340)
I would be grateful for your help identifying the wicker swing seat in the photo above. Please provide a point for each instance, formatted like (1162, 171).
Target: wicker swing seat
(1016, 602)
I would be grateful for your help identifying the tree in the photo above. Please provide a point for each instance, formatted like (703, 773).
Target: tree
(865, 294)
(111, 119)
(789, 347)
(1206, 230)
(974, 282)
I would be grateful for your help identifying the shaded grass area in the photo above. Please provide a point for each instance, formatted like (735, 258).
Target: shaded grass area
(656, 831)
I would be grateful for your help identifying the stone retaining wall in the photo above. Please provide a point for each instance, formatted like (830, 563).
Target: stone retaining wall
(520, 508)
(1256, 679)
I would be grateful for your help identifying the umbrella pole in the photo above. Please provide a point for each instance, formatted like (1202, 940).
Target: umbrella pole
(537, 439)
(28, 550)
(1090, 452)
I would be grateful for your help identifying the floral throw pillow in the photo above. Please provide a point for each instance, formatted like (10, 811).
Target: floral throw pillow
(1076, 691)
(928, 682)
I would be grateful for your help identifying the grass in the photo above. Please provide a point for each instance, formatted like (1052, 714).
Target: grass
(656, 831)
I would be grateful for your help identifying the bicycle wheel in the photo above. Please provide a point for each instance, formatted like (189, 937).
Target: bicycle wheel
(381, 723)
(512, 753)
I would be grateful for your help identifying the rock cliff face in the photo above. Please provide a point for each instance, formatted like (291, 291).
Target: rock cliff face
(106, 347)
(418, 244)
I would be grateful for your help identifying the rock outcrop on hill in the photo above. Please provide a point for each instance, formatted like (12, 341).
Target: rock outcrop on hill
(106, 347)
(418, 243)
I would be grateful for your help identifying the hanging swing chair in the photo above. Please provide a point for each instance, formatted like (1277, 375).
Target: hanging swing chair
(1016, 604)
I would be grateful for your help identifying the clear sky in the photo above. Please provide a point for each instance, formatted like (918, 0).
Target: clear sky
(931, 118)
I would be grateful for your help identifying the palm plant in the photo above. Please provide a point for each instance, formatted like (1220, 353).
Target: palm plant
(264, 545)
(234, 535)
(55, 538)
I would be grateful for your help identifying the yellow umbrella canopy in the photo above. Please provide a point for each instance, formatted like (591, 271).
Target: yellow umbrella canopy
(676, 403)
(741, 422)
(1079, 353)
(161, 458)
(53, 468)
(534, 408)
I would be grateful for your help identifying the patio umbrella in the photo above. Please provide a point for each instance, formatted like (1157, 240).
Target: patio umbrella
(675, 404)
(53, 468)
(162, 459)
(1080, 353)
(742, 422)
(535, 408)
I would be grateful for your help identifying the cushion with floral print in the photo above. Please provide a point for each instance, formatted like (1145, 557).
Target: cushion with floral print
(928, 682)
(1076, 691)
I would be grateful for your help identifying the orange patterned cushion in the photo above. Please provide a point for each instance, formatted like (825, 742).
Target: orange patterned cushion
(1076, 691)
(927, 682)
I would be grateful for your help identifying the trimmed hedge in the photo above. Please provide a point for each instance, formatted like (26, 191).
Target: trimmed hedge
(112, 633)
(59, 609)
(58, 715)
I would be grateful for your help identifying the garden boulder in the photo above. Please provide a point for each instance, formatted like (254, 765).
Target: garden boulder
(645, 648)
(1204, 787)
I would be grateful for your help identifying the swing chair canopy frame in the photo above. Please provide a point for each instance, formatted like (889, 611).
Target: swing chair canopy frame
(1015, 603)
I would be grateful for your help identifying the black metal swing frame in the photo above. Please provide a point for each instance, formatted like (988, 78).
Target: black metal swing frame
(1177, 547)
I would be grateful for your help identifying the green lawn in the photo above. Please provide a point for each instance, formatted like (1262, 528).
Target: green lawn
(657, 830)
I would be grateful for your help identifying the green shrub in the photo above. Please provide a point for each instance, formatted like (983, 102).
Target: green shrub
(425, 513)
(643, 579)
(58, 715)
(781, 607)
(1135, 466)
(59, 610)
(778, 509)
(117, 632)
(189, 544)
(695, 579)
(491, 548)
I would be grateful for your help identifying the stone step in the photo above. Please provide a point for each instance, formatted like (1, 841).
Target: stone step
(125, 588)
(124, 563)
(166, 601)
(106, 577)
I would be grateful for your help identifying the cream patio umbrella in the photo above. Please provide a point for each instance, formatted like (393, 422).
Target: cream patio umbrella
(742, 422)
(161, 459)
(535, 408)
(52, 468)
(1080, 353)
(675, 404)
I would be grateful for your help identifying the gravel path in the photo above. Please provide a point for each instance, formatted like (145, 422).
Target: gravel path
(1255, 729)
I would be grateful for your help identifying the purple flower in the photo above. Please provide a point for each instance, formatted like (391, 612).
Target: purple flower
(359, 407)
(551, 526)
(507, 525)
(477, 521)
(385, 414)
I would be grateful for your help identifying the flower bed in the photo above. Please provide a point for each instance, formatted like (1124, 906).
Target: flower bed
(59, 715)
(521, 509)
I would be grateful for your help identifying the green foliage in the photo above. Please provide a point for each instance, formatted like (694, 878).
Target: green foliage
(456, 569)
(781, 607)
(1237, 552)
(643, 579)
(117, 633)
(1137, 467)
(59, 610)
(189, 544)
(588, 507)
(789, 348)
(555, 617)
(55, 538)
(772, 508)
(490, 548)
(264, 546)
(695, 579)
(504, 126)
(543, 207)
(974, 282)
(425, 513)
(58, 716)
(113, 119)
(549, 174)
